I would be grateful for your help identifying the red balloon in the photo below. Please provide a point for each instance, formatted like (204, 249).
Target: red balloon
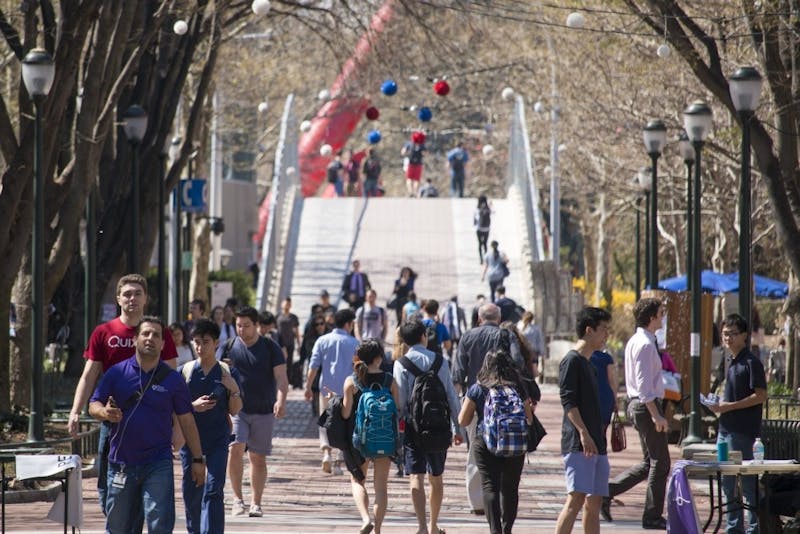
(441, 88)
(418, 137)
(373, 113)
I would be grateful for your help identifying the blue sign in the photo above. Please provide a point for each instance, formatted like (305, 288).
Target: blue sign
(194, 195)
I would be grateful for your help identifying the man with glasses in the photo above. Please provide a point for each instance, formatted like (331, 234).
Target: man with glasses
(740, 417)
(646, 392)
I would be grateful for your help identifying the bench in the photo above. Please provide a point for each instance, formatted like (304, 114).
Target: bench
(781, 439)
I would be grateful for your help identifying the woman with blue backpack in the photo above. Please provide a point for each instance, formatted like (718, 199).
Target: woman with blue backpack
(371, 396)
(500, 401)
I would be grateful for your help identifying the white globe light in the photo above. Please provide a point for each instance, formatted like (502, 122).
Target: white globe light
(305, 126)
(488, 150)
(260, 7)
(290, 171)
(262, 107)
(561, 148)
(576, 20)
(507, 94)
(538, 107)
(326, 150)
(180, 27)
(663, 50)
(324, 94)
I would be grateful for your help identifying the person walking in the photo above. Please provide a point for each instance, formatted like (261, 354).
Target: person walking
(414, 151)
(455, 320)
(482, 221)
(262, 368)
(332, 358)
(289, 333)
(110, 343)
(606, 385)
(495, 265)
(419, 457)
(371, 319)
(182, 343)
(533, 333)
(499, 474)
(646, 391)
(583, 444)
(335, 174)
(457, 159)
(740, 419)
(138, 397)
(355, 286)
(403, 286)
(367, 373)
(372, 173)
(216, 395)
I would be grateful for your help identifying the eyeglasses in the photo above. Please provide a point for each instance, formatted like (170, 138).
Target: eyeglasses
(728, 333)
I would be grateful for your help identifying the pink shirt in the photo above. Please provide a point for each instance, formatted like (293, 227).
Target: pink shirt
(643, 367)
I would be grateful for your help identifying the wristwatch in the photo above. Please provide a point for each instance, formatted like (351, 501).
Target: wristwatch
(201, 460)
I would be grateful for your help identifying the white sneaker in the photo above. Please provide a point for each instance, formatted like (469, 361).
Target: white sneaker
(337, 469)
(326, 462)
(238, 509)
(255, 510)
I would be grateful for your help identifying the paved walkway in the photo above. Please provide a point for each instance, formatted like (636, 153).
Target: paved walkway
(301, 498)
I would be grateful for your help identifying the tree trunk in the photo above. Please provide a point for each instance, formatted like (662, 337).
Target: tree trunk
(602, 288)
(20, 371)
(201, 249)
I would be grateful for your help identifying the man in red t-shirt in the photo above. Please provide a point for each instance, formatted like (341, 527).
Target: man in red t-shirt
(109, 344)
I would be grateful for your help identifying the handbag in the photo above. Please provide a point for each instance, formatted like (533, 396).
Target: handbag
(504, 269)
(392, 303)
(618, 439)
(536, 432)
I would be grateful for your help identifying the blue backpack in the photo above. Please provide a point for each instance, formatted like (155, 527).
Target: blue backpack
(376, 430)
(505, 428)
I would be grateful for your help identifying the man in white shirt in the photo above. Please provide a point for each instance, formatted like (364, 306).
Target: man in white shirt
(371, 319)
(645, 391)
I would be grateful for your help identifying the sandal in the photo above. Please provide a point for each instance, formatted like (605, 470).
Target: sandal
(366, 529)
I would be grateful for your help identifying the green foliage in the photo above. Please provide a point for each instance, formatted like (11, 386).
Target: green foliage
(778, 388)
(770, 313)
(242, 284)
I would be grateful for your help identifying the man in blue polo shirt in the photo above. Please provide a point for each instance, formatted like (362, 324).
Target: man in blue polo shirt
(740, 416)
(216, 394)
(139, 396)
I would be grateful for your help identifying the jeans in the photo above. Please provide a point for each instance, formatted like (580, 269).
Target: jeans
(148, 489)
(473, 476)
(500, 476)
(102, 462)
(483, 238)
(457, 186)
(205, 507)
(338, 187)
(735, 515)
(654, 466)
(370, 187)
(493, 285)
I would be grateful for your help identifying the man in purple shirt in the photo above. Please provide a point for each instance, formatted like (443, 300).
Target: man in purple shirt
(138, 396)
(645, 391)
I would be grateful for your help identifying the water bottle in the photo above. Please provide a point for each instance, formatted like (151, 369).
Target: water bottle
(758, 451)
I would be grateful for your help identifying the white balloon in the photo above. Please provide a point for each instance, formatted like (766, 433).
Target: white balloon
(576, 20)
(324, 94)
(487, 150)
(326, 150)
(507, 94)
(290, 171)
(180, 27)
(305, 126)
(262, 107)
(561, 148)
(412, 108)
(538, 107)
(260, 7)
(663, 50)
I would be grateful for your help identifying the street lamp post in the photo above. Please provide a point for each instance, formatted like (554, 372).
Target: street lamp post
(687, 153)
(655, 137)
(162, 238)
(643, 176)
(638, 247)
(745, 86)
(697, 123)
(175, 305)
(38, 71)
(135, 126)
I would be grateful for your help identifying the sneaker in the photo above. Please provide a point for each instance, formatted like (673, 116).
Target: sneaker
(255, 510)
(238, 508)
(326, 462)
(337, 469)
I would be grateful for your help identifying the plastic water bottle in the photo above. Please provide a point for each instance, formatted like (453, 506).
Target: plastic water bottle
(758, 451)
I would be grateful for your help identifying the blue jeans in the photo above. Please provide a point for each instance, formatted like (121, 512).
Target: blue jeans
(735, 515)
(148, 488)
(102, 463)
(205, 507)
(338, 186)
(456, 186)
(370, 187)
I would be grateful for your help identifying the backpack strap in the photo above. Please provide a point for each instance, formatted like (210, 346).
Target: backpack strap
(187, 369)
(228, 346)
(387, 380)
(358, 384)
(410, 367)
(437, 364)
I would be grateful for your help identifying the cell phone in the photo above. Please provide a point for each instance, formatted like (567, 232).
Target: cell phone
(213, 396)
(112, 402)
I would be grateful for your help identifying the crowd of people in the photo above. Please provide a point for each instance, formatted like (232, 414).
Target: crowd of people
(440, 384)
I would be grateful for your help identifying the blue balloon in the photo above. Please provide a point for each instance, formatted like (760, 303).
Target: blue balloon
(389, 87)
(374, 137)
(424, 114)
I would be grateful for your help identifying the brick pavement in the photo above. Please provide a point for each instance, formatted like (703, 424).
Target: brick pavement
(301, 498)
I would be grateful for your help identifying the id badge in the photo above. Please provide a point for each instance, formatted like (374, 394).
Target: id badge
(119, 480)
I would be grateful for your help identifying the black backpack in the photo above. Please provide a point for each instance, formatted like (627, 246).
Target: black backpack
(434, 344)
(429, 412)
(333, 171)
(485, 217)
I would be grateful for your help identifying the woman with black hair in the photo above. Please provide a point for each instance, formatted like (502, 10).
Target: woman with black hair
(402, 287)
(500, 474)
(495, 266)
(366, 373)
(482, 220)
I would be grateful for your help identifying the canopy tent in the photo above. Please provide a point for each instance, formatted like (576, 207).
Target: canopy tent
(718, 283)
